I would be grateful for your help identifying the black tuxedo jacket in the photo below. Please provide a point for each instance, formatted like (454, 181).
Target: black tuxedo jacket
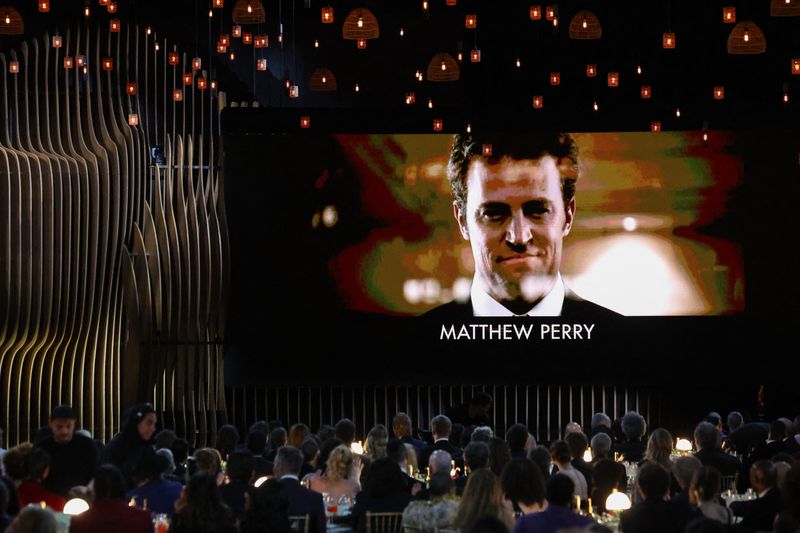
(657, 516)
(303, 501)
(747, 437)
(575, 308)
(759, 514)
(455, 453)
(728, 465)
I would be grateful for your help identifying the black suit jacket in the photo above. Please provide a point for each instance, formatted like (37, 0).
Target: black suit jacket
(759, 514)
(425, 455)
(747, 437)
(657, 516)
(303, 501)
(728, 465)
(574, 308)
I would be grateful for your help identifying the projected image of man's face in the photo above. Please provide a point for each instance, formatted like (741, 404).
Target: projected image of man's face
(515, 220)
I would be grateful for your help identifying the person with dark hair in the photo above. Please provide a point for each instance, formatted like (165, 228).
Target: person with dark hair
(562, 458)
(200, 508)
(514, 201)
(134, 441)
(109, 511)
(269, 510)
(277, 438)
(325, 432)
(440, 427)
(180, 453)
(239, 471)
(310, 450)
(227, 440)
(152, 491)
(523, 485)
(683, 471)
(499, 455)
(32, 489)
(398, 452)
(744, 437)
(385, 491)
(402, 429)
(654, 513)
(473, 413)
(518, 441)
(256, 444)
(557, 514)
(345, 431)
(324, 453)
(542, 458)
(288, 462)
(482, 496)
(633, 427)
(759, 514)
(578, 444)
(705, 489)
(297, 434)
(607, 475)
(164, 439)
(436, 514)
(476, 455)
(707, 440)
(73, 457)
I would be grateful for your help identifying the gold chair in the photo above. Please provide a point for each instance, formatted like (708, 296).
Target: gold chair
(384, 522)
(300, 523)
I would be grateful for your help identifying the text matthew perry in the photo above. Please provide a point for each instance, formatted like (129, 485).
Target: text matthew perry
(514, 332)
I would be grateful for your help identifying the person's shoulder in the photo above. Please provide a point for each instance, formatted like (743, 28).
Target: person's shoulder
(578, 307)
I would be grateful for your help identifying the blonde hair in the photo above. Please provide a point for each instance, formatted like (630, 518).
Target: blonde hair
(659, 448)
(482, 496)
(340, 461)
(377, 438)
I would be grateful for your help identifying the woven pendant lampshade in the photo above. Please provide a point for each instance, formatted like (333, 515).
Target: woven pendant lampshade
(249, 12)
(360, 24)
(11, 22)
(746, 38)
(322, 80)
(779, 8)
(585, 25)
(443, 67)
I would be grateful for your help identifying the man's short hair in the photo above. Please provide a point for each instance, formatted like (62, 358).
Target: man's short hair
(109, 483)
(401, 425)
(345, 431)
(633, 425)
(165, 438)
(517, 437)
(600, 419)
(290, 459)
(481, 398)
(541, 456)
(735, 420)
(684, 468)
(476, 455)
(310, 449)
(441, 426)
(653, 481)
(240, 466)
(482, 434)
(440, 461)
(766, 471)
(777, 430)
(396, 451)
(180, 450)
(601, 445)
(440, 484)
(523, 481)
(560, 490)
(577, 443)
(277, 437)
(706, 436)
(559, 450)
(468, 147)
(256, 442)
(714, 418)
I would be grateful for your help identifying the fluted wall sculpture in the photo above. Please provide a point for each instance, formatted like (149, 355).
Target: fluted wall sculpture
(114, 260)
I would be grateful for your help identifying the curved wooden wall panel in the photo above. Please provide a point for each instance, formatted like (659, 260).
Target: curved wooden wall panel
(114, 263)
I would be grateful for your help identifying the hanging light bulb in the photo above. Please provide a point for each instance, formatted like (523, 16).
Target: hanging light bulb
(133, 119)
(324, 79)
(114, 25)
(261, 65)
(187, 78)
(444, 66)
(177, 95)
(430, 103)
(57, 41)
(595, 106)
(149, 30)
(86, 11)
(294, 91)
(357, 88)
(469, 127)
(316, 43)
(591, 71)
(584, 24)
(424, 5)
(518, 63)
(402, 32)
(130, 88)
(639, 69)
(410, 98)
(174, 58)
(437, 124)
(112, 7)
(233, 56)
(327, 15)
(538, 102)
(44, 6)
(68, 62)
(202, 83)
(361, 44)
(13, 67)
(157, 47)
(108, 63)
(197, 63)
(536, 12)
(210, 14)
(655, 126)
(678, 112)
(8, 19)
(305, 122)
(646, 93)
(555, 78)
(249, 8)
(360, 22)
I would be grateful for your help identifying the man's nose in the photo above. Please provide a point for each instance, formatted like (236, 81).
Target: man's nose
(518, 231)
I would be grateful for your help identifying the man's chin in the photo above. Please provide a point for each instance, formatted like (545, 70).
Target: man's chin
(526, 286)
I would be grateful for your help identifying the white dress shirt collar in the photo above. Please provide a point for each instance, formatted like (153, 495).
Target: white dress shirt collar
(485, 305)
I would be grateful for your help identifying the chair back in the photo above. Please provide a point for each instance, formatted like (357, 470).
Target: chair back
(384, 522)
(300, 523)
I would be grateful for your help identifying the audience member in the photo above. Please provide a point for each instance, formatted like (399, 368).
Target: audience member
(401, 427)
(523, 485)
(277, 439)
(109, 511)
(269, 510)
(180, 452)
(375, 443)
(73, 458)
(209, 461)
(32, 490)
(759, 514)
(297, 434)
(744, 437)
(239, 471)
(704, 493)
(227, 440)
(288, 462)
(499, 455)
(476, 455)
(578, 444)
(345, 431)
(165, 439)
(473, 413)
(519, 441)
(151, 491)
(341, 476)
(310, 450)
(707, 441)
(482, 496)
(385, 491)
(633, 427)
(607, 475)
(34, 520)
(540, 455)
(601, 447)
(557, 514)
(655, 513)
(200, 508)
(438, 513)
(134, 441)
(440, 427)
(601, 423)
(683, 470)
(562, 457)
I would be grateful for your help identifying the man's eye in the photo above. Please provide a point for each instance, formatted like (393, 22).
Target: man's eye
(537, 211)
(494, 215)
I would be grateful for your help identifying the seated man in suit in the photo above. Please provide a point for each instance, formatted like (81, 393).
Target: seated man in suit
(707, 440)
(401, 427)
(759, 514)
(514, 201)
(288, 462)
(654, 513)
(440, 427)
(476, 455)
(743, 438)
